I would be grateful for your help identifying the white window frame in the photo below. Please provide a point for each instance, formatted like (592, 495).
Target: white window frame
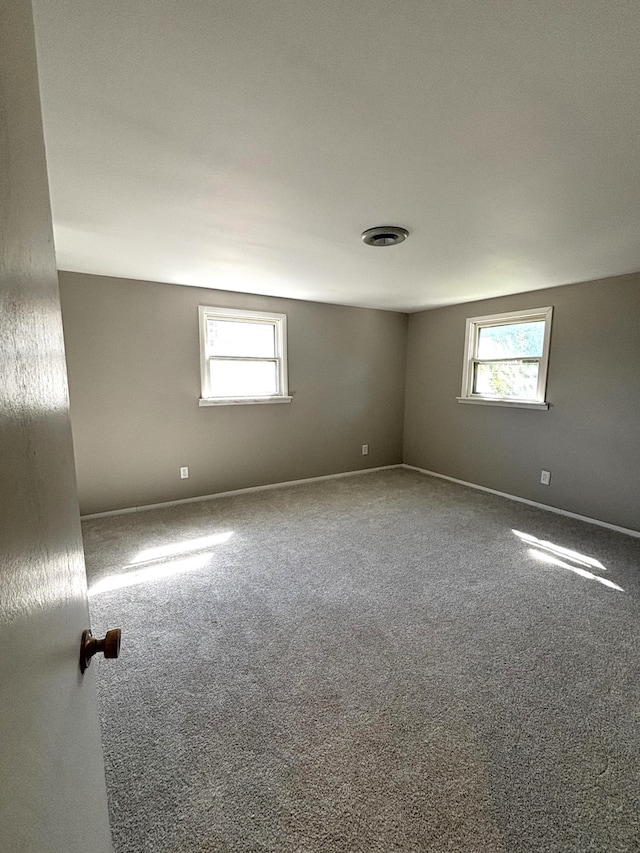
(474, 325)
(279, 323)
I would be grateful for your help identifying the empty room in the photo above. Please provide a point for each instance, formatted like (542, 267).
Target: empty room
(321, 461)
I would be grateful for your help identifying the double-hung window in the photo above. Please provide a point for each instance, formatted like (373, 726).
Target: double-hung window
(243, 356)
(506, 358)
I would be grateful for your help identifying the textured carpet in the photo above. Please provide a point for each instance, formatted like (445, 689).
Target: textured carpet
(374, 663)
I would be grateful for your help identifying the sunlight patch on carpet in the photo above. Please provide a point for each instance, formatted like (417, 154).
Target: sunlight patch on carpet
(172, 549)
(149, 573)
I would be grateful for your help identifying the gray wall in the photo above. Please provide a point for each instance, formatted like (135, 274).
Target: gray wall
(134, 379)
(589, 438)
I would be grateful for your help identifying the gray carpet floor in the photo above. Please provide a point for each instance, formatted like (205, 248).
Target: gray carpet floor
(374, 663)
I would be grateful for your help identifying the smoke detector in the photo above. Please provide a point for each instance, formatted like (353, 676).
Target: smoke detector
(384, 235)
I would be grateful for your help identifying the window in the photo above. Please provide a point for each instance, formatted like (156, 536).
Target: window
(505, 361)
(243, 357)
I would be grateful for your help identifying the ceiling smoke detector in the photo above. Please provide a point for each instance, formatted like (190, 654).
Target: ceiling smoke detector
(384, 235)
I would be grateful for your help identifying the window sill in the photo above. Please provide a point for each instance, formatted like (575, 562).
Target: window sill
(242, 401)
(512, 404)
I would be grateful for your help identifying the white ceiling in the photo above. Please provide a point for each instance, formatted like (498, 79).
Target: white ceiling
(246, 144)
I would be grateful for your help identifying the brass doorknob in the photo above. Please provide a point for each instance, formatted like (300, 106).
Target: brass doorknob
(109, 645)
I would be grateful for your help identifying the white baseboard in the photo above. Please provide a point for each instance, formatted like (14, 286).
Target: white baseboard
(233, 492)
(629, 531)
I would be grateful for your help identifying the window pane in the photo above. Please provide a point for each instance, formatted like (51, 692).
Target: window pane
(243, 378)
(237, 338)
(513, 340)
(507, 379)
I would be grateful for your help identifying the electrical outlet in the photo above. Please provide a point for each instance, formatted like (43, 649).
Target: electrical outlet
(184, 473)
(545, 477)
(365, 449)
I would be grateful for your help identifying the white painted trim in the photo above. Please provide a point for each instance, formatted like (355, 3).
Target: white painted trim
(492, 401)
(242, 401)
(233, 492)
(271, 318)
(472, 330)
(628, 530)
